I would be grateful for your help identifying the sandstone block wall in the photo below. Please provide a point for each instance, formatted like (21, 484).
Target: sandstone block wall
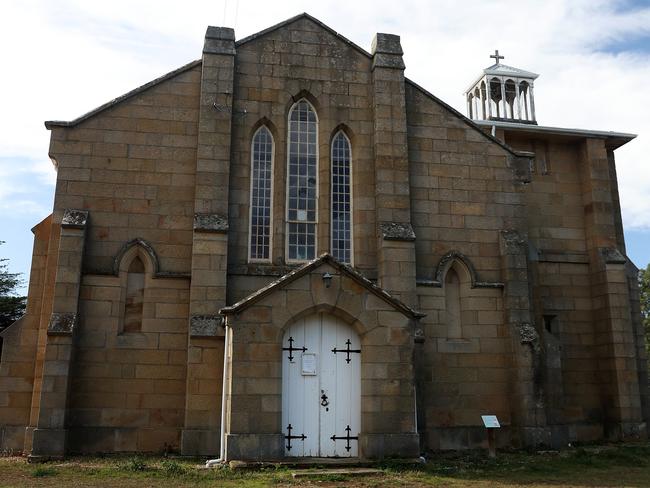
(272, 72)
(132, 166)
(19, 352)
(463, 193)
(565, 303)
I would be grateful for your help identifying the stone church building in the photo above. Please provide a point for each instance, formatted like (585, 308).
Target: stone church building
(287, 248)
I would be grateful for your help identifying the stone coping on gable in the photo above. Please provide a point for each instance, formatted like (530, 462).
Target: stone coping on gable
(324, 258)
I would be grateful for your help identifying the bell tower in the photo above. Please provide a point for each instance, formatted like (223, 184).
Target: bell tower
(502, 93)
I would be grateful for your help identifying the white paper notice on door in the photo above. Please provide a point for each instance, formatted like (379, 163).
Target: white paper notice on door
(308, 364)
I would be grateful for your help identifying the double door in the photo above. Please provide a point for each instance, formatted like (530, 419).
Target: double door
(321, 388)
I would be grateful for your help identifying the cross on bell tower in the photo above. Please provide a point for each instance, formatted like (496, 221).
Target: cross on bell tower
(496, 56)
(502, 93)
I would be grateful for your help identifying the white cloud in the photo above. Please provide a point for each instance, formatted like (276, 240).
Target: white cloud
(64, 58)
(26, 188)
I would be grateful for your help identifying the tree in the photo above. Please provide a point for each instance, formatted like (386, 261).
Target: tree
(12, 306)
(644, 292)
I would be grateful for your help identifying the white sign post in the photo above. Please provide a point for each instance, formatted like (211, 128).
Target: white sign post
(491, 423)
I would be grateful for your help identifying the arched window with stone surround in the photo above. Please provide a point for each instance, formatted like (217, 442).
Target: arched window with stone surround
(341, 202)
(302, 182)
(135, 264)
(134, 302)
(261, 195)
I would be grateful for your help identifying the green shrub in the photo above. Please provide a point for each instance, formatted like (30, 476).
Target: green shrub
(134, 464)
(172, 468)
(43, 471)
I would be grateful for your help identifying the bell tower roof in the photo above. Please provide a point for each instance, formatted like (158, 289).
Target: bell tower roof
(502, 92)
(500, 69)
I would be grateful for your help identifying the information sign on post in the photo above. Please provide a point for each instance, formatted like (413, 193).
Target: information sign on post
(491, 422)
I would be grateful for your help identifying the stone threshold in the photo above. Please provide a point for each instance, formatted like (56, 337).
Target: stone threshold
(316, 473)
(314, 462)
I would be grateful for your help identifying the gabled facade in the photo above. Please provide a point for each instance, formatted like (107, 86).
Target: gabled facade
(287, 248)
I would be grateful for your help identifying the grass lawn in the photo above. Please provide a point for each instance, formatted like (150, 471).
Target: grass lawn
(618, 465)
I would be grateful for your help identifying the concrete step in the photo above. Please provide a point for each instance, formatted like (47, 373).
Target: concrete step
(315, 463)
(318, 473)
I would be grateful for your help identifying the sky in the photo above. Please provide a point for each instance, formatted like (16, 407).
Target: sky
(61, 59)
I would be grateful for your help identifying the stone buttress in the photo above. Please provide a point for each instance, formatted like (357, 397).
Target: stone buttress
(200, 435)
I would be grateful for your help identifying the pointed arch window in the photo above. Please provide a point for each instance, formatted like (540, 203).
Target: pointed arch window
(134, 303)
(302, 182)
(262, 149)
(341, 202)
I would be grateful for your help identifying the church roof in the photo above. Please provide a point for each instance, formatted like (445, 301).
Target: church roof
(613, 139)
(308, 268)
(60, 123)
(471, 123)
(49, 124)
(500, 69)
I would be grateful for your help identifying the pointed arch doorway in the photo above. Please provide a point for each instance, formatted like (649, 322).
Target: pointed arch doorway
(321, 388)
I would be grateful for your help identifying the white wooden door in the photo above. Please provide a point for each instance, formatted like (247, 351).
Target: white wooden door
(321, 388)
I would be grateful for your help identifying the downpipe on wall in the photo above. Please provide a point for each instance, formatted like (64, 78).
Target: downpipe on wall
(222, 444)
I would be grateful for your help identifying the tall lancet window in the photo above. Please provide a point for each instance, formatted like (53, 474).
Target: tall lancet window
(134, 304)
(341, 201)
(261, 195)
(452, 305)
(302, 182)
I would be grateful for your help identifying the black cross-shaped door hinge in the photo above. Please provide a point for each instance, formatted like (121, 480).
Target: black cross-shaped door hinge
(347, 438)
(288, 437)
(291, 349)
(347, 351)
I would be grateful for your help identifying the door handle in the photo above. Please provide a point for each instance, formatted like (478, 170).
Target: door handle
(323, 399)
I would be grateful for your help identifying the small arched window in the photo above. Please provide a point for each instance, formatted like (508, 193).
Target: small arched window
(302, 182)
(261, 195)
(341, 198)
(134, 303)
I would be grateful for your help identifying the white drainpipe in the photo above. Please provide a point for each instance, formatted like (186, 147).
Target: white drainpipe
(222, 445)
